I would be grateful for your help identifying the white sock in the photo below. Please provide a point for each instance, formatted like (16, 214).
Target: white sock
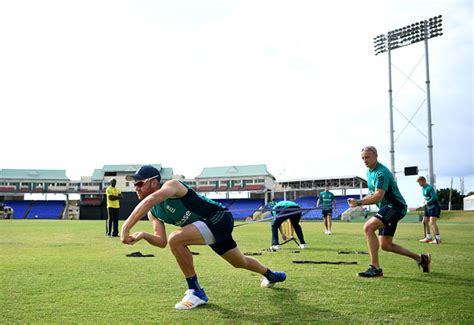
(428, 236)
(438, 237)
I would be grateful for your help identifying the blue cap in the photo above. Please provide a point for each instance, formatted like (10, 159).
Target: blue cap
(144, 172)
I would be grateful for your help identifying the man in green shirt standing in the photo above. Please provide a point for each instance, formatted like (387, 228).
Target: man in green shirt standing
(392, 208)
(327, 200)
(432, 212)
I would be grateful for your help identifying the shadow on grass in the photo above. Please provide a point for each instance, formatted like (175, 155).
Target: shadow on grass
(440, 278)
(286, 307)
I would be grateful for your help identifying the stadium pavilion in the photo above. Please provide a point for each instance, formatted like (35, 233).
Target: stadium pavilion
(243, 189)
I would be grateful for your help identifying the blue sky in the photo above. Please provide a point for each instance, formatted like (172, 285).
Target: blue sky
(192, 84)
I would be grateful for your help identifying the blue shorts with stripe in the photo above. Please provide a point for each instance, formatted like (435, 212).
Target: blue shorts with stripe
(390, 216)
(221, 225)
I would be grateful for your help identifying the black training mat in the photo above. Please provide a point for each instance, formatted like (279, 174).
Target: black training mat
(139, 254)
(325, 262)
(352, 252)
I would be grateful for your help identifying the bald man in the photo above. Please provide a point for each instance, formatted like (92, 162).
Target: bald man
(392, 208)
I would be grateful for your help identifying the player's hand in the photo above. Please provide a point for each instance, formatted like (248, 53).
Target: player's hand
(352, 202)
(125, 238)
(137, 236)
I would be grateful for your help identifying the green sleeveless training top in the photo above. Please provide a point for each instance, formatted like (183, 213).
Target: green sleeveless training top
(188, 209)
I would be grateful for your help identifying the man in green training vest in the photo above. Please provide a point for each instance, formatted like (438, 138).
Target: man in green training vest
(202, 222)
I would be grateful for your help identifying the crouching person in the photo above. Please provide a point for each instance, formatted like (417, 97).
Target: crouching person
(202, 222)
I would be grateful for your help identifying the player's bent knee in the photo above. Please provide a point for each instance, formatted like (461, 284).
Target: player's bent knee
(174, 239)
(386, 246)
(369, 228)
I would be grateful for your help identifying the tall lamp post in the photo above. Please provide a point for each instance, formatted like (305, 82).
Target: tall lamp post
(414, 33)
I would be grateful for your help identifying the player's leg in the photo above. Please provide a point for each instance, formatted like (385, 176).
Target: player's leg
(423, 260)
(370, 227)
(329, 220)
(434, 226)
(179, 240)
(387, 244)
(295, 223)
(275, 228)
(390, 218)
(238, 260)
(325, 221)
(225, 246)
(426, 230)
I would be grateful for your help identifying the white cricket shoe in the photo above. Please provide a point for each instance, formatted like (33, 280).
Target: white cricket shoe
(192, 299)
(279, 277)
(275, 247)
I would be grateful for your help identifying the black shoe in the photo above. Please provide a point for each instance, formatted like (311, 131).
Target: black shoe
(425, 260)
(371, 272)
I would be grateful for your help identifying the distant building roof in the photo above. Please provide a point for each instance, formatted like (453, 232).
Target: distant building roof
(34, 174)
(234, 171)
(98, 175)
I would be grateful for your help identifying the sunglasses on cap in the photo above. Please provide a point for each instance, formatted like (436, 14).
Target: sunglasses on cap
(369, 148)
(141, 183)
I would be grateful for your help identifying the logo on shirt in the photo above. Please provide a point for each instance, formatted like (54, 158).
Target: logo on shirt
(186, 216)
(170, 209)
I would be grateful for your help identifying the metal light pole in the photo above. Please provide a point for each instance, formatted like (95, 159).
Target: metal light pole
(414, 33)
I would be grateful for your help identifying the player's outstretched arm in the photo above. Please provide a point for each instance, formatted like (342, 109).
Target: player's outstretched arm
(171, 189)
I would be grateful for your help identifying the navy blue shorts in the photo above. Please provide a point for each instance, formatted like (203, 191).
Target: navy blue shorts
(433, 212)
(222, 232)
(390, 218)
(326, 212)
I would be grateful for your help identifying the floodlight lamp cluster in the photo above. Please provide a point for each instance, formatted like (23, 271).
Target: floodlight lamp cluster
(407, 35)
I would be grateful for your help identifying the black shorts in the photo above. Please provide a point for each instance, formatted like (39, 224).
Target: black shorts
(390, 217)
(433, 212)
(326, 212)
(222, 232)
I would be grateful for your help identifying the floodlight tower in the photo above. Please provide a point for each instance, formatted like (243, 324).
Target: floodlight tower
(414, 33)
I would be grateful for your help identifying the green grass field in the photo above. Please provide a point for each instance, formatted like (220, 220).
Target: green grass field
(58, 271)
